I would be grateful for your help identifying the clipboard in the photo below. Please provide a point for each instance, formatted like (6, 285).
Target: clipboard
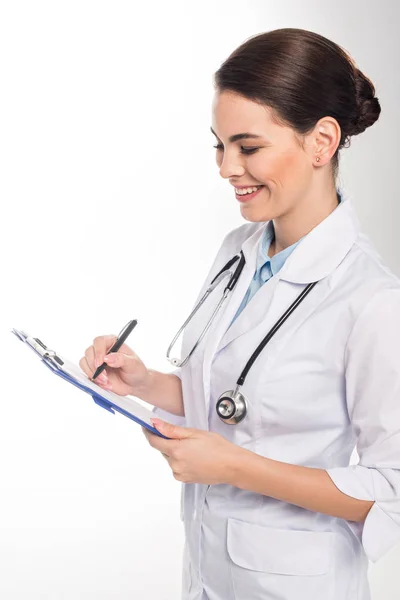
(72, 373)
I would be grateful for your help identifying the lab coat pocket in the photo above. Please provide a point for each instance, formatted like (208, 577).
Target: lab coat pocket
(282, 563)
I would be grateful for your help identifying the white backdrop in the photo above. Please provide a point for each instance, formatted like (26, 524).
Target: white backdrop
(112, 209)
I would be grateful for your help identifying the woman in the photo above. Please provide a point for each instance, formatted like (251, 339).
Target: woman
(271, 506)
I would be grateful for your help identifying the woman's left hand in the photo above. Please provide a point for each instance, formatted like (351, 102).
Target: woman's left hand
(194, 455)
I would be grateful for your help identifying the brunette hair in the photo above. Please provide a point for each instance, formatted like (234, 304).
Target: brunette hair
(303, 77)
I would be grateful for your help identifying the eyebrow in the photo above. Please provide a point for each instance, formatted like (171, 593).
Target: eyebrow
(239, 136)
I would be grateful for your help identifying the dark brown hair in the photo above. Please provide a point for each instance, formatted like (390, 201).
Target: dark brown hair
(303, 77)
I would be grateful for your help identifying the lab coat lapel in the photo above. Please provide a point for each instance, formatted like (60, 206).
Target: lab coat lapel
(265, 309)
(254, 312)
(312, 260)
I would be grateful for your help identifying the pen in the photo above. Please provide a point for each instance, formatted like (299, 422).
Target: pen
(120, 340)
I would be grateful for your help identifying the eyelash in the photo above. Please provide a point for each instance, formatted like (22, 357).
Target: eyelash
(244, 150)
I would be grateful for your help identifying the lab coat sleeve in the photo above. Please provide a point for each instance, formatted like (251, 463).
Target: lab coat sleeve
(372, 373)
(167, 416)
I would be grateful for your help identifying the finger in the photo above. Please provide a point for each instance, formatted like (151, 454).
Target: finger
(119, 360)
(172, 431)
(84, 365)
(89, 355)
(164, 446)
(101, 380)
(148, 435)
(157, 442)
(101, 346)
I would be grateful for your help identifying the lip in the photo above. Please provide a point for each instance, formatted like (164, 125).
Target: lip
(242, 187)
(248, 197)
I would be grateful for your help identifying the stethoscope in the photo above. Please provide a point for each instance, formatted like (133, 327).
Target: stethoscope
(232, 405)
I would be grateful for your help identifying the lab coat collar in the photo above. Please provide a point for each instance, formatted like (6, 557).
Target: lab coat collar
(321, 250)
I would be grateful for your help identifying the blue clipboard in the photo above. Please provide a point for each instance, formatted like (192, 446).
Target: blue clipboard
(73, 374)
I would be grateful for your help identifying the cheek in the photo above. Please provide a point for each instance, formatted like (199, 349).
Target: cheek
(284, 167)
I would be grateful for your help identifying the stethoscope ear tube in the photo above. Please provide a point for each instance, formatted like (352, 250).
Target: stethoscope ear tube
(222, 274)
(233, 280)
(228, 265)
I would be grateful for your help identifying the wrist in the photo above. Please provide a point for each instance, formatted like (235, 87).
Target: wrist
(239, 464)
(246, 470)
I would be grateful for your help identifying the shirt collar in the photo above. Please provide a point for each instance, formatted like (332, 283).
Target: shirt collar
(277, 261)
(320, 251)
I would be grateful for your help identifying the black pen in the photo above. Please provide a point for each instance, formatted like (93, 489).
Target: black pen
(120, 340)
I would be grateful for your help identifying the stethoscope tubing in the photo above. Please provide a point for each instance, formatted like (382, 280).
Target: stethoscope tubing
(229, 288)
(272, 332)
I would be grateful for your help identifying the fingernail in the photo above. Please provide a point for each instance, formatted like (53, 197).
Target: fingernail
(109, 359)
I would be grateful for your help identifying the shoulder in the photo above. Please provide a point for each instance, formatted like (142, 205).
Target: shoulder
(374, 291)
(368, 273)
(370, 258)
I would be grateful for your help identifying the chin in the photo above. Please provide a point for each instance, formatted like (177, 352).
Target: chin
(255, 218)
(256, 215)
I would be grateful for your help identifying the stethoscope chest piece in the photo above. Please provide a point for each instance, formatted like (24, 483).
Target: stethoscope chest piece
(231, 407)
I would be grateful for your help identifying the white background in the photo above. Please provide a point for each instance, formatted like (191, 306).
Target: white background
(112, 208)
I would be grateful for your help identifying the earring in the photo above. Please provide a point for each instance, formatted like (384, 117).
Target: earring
(318, 159)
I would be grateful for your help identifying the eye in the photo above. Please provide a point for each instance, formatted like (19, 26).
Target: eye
(243, 150)
(248, 150)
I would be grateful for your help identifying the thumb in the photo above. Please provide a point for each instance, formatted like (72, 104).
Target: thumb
(120, 360)
(171, 431)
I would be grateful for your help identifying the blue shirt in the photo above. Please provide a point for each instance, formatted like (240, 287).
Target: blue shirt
(266, 266)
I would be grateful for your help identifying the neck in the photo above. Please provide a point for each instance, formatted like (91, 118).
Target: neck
(301, 219)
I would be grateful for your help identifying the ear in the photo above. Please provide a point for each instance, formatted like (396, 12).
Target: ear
(325, 140)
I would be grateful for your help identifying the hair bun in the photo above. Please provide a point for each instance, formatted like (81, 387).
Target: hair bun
(368, 105)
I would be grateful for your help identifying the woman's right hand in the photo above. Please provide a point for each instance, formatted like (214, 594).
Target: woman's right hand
(125, 372)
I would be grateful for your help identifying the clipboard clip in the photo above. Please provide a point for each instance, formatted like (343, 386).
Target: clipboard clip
(48, 353)
(44, 351)
(51, 355)
(39, 347)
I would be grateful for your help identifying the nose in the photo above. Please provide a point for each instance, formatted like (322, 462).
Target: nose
(229, 167)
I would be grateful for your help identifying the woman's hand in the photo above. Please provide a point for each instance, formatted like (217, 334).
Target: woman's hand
(125, 372)
(194, 455)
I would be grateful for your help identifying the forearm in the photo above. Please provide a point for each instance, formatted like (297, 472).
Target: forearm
(163, 390)
(308, 487)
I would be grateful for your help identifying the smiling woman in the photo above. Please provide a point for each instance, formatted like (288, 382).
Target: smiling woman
(271, 505)
(273, 90)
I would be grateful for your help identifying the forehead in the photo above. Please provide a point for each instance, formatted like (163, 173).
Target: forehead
(232, 111)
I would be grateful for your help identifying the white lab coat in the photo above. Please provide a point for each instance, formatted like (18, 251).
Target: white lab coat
(328, 381)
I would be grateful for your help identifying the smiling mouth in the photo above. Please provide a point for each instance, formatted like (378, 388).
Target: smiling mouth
(246, 197)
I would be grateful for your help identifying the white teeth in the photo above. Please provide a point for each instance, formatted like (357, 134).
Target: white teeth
(243, 191)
